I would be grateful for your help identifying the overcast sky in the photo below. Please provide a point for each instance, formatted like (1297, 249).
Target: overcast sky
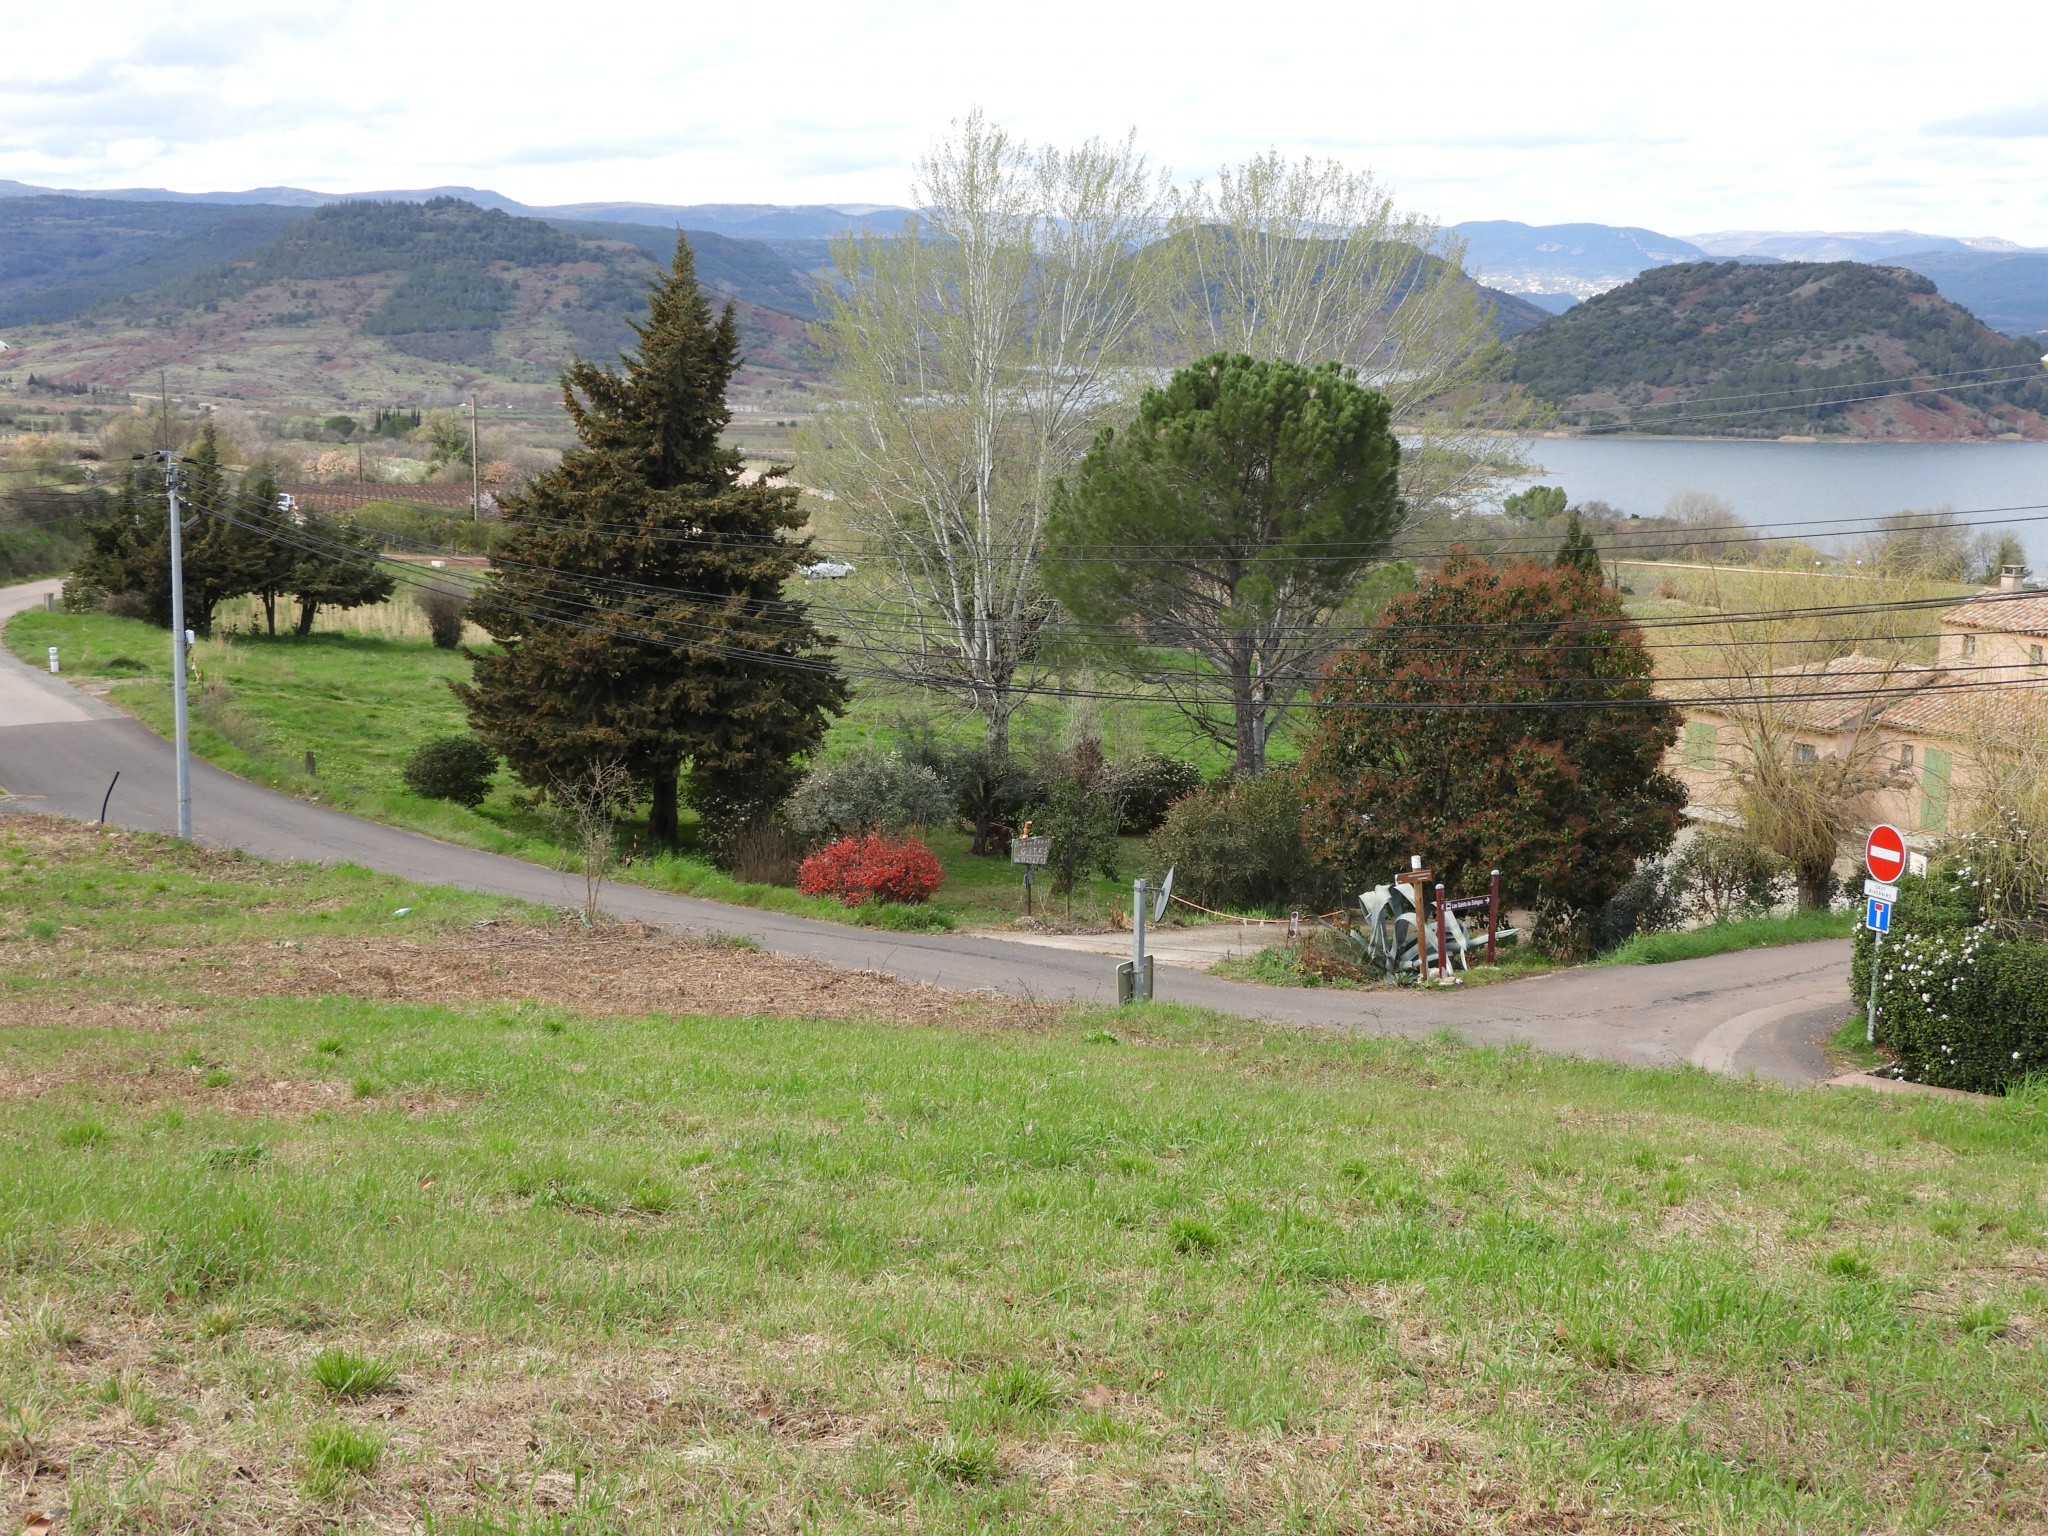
(1682, 118)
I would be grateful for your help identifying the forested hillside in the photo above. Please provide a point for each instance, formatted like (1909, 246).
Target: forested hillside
(366, 300)
(1798, 348)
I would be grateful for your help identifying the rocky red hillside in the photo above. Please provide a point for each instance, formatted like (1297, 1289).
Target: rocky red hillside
(1834, 349)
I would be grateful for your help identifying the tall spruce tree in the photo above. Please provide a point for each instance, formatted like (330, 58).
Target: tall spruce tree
(1578, 552)
(129, 550)
(638, 600)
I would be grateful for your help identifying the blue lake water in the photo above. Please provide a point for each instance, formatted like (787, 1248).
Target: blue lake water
(1793, 485)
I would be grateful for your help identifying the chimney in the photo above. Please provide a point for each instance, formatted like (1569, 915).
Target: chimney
(2012, 578)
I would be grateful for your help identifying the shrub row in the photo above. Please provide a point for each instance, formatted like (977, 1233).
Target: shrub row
(1958, 1006)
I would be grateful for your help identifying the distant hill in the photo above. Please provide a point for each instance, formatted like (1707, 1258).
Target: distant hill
(383, 301)
(2008, 291)
(1576, 259)
(1788, 348)
(1880, 247)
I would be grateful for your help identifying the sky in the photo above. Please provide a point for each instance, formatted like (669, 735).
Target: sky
(1682, 119)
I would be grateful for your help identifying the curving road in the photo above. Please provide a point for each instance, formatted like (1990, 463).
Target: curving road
(1761, 1011)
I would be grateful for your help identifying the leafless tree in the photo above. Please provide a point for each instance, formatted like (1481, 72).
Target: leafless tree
(1315, 263)
(976, 355)
(587, 808)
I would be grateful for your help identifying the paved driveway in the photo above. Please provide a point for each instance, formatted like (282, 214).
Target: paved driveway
(1761, 1011)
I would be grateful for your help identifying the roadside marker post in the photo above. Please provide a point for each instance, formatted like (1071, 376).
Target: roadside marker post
(53, 661)
(178, 644)
(1884, 855)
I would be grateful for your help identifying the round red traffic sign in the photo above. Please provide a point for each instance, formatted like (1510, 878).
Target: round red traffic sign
(1884, 855)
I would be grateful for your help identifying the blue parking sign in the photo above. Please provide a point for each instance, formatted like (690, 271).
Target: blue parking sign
(1877, 916)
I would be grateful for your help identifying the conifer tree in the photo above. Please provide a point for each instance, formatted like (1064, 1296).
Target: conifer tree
(638, 601)
(1578, 552)
(129, 550)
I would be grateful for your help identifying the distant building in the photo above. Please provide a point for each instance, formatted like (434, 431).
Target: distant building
(1916, 726)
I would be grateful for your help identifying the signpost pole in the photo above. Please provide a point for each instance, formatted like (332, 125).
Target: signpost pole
(1138, 992)
(1884, 856)
(1870, 1013)
(1492, 915)
(1443, 952)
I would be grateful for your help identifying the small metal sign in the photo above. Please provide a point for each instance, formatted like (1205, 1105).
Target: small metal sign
(1877, 916)
(1030, 850)
(1880, 890)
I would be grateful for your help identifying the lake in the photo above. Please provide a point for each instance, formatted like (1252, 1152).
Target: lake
(1792, 485)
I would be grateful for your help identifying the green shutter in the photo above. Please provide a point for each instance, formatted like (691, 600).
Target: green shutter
(1934, 791)
(1699, 744)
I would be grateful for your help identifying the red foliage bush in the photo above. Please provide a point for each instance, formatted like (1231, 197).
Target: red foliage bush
(855, 869)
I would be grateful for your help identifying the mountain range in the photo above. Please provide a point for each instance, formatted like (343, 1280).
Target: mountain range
(1556, 265)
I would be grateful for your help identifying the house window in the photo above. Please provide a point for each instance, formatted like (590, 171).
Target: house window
(1906, 758)
(1969, 645)
(1802, 753)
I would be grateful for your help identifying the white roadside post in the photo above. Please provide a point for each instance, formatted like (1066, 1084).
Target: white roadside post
(53, 661)
(183, 732)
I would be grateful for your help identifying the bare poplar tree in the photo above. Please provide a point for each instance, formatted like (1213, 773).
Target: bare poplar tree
(1313, 263)
(588, 807)
(976, 354)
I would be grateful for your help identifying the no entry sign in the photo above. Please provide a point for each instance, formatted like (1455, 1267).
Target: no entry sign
(1884, 855)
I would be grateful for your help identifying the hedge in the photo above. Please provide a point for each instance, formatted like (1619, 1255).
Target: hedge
(1957, 1006)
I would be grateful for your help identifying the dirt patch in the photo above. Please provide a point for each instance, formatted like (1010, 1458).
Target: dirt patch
(621, 969)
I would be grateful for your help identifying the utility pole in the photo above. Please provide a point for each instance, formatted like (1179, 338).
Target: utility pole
(184, 731)
(476, 501)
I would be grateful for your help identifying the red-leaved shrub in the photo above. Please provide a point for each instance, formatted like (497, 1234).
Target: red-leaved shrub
(855, 869)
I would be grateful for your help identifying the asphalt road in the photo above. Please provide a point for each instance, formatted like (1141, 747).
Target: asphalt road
(1760, 1011)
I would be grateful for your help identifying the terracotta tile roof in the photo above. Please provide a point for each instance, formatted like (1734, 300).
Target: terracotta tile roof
(1825, 698)
(2024, 613)
(2004, 710)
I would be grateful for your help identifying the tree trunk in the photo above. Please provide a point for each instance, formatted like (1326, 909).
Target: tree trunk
(662, 824)
(1245, 701)
(306, 612)
(269, 611)
(1816, 885)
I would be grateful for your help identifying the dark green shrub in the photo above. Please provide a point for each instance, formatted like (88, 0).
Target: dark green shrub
(1723, 875)
(1646, 903)
(1238, 847)
(1941, 901)
(1961, 1009)
(1078, 809)
(456, 768)
(444, 611)
(1149, 785)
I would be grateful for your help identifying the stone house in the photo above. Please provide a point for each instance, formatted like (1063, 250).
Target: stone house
(1914, 725)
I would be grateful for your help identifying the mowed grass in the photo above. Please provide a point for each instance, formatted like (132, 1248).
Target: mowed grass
(1059, 1271)
(363, 696)
(1722, 938)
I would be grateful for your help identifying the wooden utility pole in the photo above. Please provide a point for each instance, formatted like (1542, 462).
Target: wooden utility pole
(476, 501)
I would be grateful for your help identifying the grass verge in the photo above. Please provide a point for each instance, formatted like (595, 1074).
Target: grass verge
(1721, 938)
(646, 1268)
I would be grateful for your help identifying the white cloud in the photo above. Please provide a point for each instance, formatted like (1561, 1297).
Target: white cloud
(1758, 115)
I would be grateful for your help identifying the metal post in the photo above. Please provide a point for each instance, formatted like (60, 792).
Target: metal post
(1492, 915)
(184, 732)
(1870, 1013)
(1138, 993)
(1443, 952)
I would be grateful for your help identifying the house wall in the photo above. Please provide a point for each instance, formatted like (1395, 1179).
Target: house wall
(1923, 775)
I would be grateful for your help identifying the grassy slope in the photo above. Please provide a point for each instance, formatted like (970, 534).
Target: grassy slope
(1147, 1270)
(363, 701)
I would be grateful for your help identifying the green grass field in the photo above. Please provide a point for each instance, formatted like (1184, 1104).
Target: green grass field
(364, 695)
(300, 1233)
